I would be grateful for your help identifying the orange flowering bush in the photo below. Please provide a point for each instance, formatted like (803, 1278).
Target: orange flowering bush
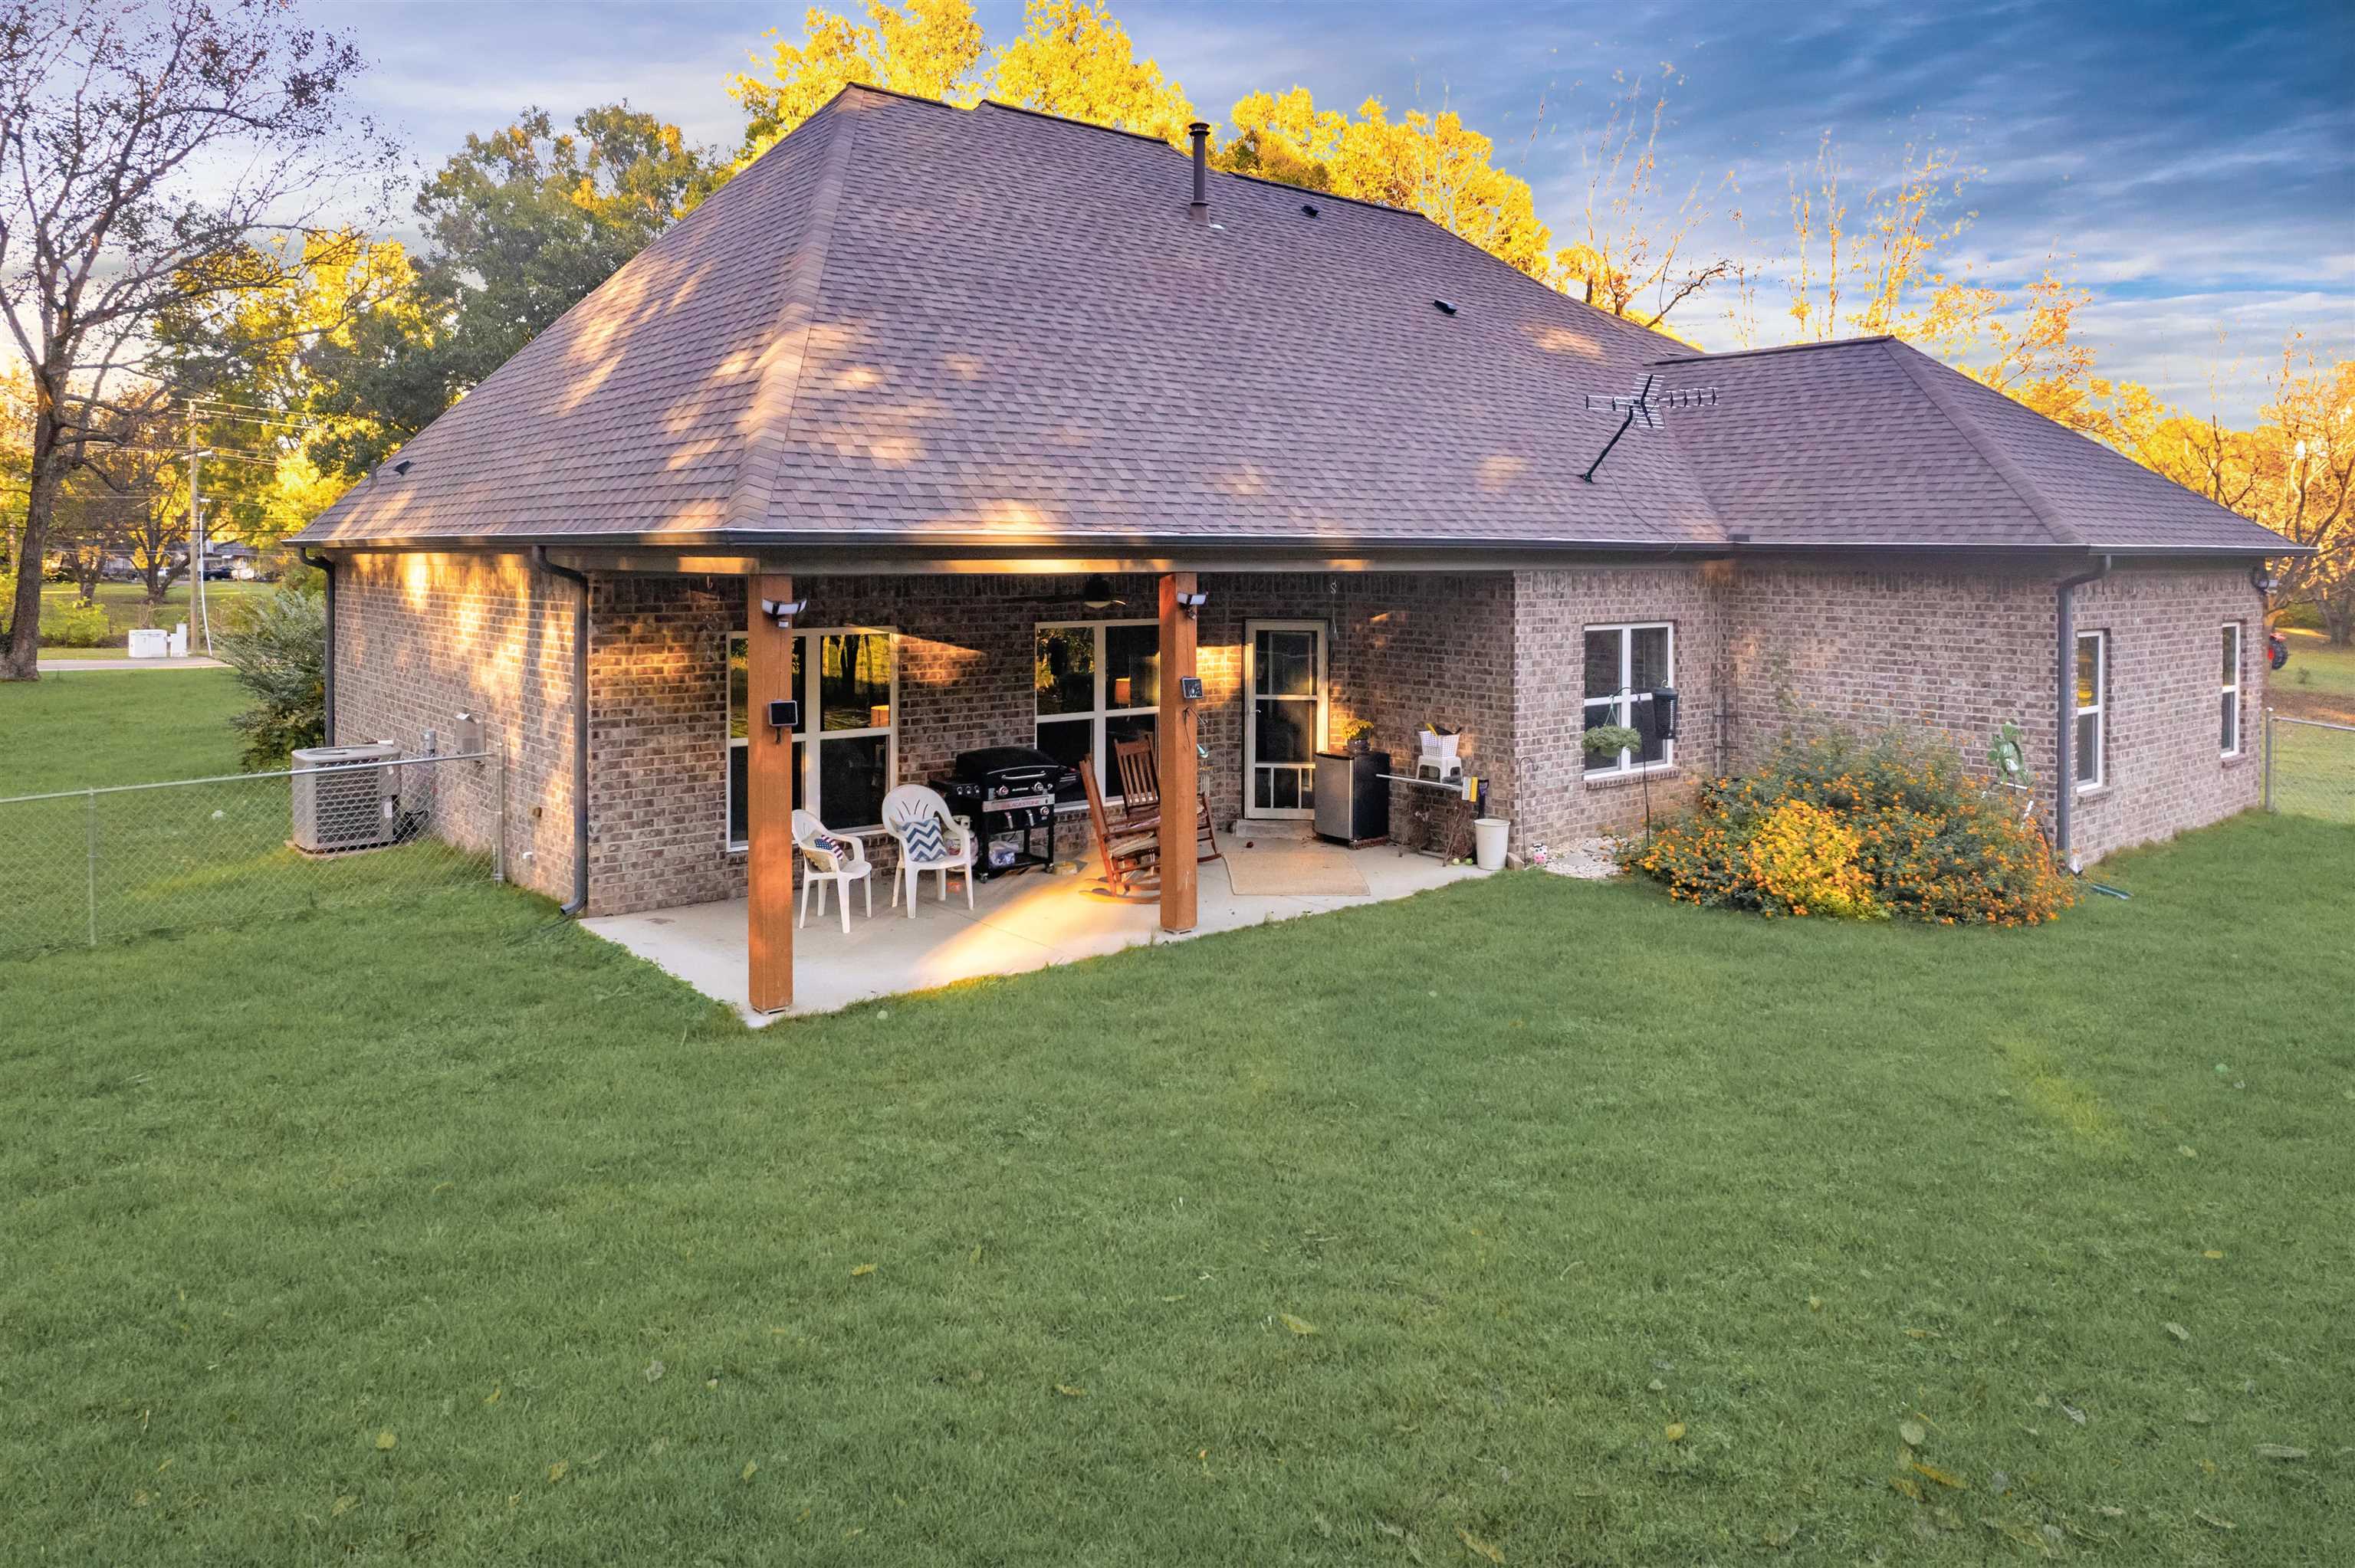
(1841, 827)
(1802, 860)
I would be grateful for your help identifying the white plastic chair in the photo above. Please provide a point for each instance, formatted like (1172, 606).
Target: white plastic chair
(830, 858)
(906, 810)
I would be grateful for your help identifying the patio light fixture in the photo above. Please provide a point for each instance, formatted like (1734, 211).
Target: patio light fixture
(1096, 593)
(1190, 602)
(783, 610)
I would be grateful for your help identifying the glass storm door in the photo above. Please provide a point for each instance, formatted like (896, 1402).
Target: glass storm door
(1284, 673)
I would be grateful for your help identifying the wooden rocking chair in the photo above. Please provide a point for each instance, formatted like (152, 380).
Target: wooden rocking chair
(1130, 851)
(1140, 784)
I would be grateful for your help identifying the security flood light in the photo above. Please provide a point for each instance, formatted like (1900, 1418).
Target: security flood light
(783, 610)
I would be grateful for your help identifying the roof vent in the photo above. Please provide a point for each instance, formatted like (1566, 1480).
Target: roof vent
(1309, 208)
(1201, 132)
(1446, 307)
(400, 467)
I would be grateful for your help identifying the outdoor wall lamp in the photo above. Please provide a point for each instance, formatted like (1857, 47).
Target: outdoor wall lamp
(2263, 580)
(783, 610)
(1190, 602)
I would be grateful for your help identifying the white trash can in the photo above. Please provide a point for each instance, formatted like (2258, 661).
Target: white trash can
(1488, 835)
(149, 642)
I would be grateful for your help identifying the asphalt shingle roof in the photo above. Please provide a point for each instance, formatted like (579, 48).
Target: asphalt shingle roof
(915, 324)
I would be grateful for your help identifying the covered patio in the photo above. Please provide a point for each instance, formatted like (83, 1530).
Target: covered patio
(1018, 923)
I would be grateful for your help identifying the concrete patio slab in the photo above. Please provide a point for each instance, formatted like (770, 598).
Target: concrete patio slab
(1018, 924)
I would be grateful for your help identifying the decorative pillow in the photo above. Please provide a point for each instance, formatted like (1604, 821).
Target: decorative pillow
(922, 837)
(839, 848)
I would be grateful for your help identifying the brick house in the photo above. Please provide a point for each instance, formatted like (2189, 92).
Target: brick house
(981, 386)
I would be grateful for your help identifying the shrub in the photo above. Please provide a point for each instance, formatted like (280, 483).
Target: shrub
(79, 625)
(278, 647)
(1836, 826)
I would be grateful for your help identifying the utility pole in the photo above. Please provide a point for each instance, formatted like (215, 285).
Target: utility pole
(197, 535)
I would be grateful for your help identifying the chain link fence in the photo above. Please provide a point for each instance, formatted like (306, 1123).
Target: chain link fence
(2310, 767)
(90, 866)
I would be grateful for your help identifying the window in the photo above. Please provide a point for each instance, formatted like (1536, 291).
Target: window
(1625, 665)
(2229, 739)
(1097, 682)
(845, 751)
(2093, 683)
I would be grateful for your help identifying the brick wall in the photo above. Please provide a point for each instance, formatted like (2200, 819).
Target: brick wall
(1957, 654)
(1559, 804)
(1761, 652)
(2165, 768)
(422, 638)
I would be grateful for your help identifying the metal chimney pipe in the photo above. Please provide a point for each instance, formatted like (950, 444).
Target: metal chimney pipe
(1201, 132)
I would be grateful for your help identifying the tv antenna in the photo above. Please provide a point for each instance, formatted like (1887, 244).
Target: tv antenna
(1643, 407)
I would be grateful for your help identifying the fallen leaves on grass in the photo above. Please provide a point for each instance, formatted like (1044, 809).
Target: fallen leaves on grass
(385, 1442)
(1300, 1326)
(1477, 1547)
(1070, 1391)
(2205, 1516)
(1943, 1477)
(653, 1371)
(862, 1271)
(557, 1471)
(2177, 1330)
(1913, 1432)
(2280, 1451)
(1674, 1431)
(751, 1469)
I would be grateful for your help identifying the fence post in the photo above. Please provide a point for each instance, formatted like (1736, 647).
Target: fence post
(90, 798)
(2269, 760)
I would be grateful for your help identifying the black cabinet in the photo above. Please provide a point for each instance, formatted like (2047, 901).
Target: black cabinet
(1353, 798)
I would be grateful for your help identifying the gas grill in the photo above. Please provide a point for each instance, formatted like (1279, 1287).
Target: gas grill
(1007, 790)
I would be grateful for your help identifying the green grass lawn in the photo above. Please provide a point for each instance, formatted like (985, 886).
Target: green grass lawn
(79, 730)
(2318, 677)
(476, 1181)
(2314, 769)
(1627, 1234)
(126, 606)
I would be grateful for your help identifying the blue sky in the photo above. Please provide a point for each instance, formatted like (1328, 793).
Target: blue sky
(2193, 164)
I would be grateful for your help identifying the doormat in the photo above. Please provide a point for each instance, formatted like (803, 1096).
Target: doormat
(1293, 870)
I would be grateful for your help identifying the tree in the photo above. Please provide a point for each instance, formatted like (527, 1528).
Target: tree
(1430, 164)
(519, 226)
(249, 356)
(1075, 59)
(2313, 410)
(929, 48)
(1633, 260)
(137, 145)
(129, 497)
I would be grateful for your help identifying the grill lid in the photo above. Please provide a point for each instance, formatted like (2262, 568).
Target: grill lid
(988, 760)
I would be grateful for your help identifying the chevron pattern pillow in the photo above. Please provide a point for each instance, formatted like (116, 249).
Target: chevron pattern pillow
(925, 845)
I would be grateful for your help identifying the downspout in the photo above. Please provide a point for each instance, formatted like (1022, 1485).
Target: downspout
(580, 729)
(327, 564)
(2064, 786)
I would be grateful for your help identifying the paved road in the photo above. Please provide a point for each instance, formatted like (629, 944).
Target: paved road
(77, 666)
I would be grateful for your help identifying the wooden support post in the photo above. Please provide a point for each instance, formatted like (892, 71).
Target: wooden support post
(768, 799)
(1174, 735)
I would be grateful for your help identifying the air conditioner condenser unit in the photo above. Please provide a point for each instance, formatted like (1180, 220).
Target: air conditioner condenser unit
(343, 796)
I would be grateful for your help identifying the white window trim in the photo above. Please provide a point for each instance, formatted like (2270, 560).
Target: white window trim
(2099, 707)
(1252, 629)
(808, 697)
(2232, 689)
(1623, 701)
(1109, 782)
